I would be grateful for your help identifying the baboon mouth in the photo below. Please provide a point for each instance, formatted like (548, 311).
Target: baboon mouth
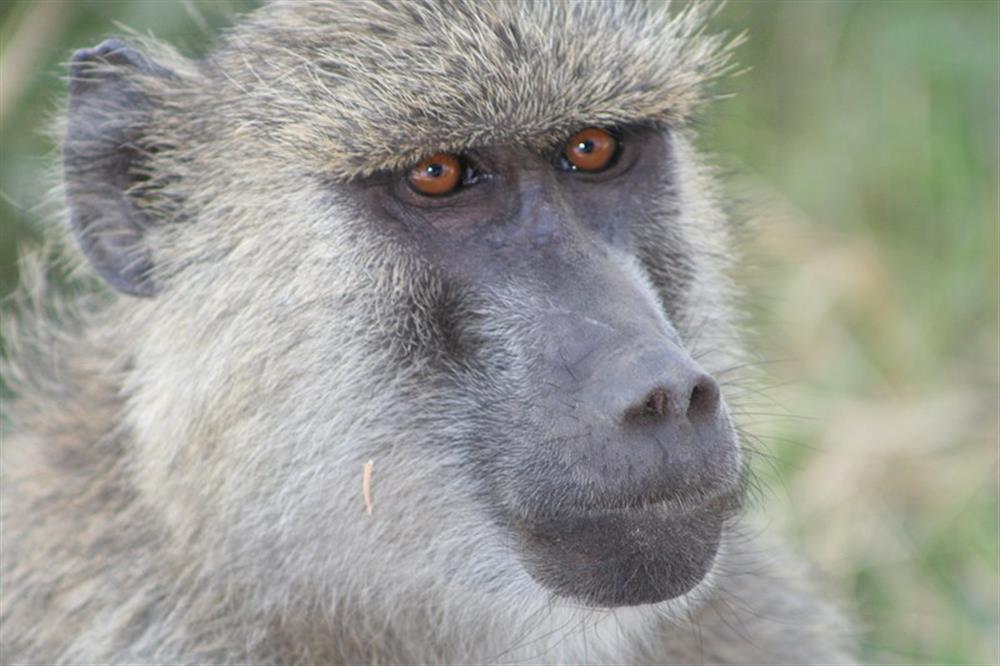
(626, 557)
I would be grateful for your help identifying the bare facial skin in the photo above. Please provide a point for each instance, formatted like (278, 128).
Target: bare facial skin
(620, 467)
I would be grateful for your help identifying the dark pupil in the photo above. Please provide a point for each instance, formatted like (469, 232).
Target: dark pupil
(435, 170)
(585, 146)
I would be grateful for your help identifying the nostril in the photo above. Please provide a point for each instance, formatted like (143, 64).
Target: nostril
(653, 408)
(656, 403)
(704, 400)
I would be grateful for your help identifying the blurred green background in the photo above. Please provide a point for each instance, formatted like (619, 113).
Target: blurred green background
(863, 145)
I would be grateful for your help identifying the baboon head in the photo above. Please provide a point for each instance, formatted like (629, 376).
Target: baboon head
(471, 243)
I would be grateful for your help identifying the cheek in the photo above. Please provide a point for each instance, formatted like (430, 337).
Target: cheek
(238, 363)
(300, 503)
(279, 398)
(275, 484)
(234, 411)
(279, 392)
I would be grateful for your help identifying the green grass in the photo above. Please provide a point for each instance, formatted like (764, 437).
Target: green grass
(864, 144)
(866, 136)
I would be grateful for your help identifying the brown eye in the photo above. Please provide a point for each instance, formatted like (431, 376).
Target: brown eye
(592, 149)
(437, 175)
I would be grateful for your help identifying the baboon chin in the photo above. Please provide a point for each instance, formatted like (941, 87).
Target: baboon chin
(638, 556)
(413, 346)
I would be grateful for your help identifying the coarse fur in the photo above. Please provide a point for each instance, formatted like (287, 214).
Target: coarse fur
(182, 473)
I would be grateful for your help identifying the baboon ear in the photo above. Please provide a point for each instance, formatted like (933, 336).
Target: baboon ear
(104, 157)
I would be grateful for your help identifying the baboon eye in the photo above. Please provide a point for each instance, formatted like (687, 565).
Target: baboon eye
(437, 175)
(592, 149)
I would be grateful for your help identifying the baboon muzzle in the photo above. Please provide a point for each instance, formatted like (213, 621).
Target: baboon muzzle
(629, 485)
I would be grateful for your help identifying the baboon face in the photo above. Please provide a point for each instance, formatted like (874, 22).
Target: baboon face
(494, 293)
(603, 447)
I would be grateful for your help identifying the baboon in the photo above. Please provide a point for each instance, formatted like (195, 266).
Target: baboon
(413, 347)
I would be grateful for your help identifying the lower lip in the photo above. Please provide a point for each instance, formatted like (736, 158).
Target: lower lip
(624, 557)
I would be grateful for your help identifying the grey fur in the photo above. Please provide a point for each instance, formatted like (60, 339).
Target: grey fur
(182, 473)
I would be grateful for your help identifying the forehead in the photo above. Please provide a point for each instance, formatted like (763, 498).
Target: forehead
(379, 84)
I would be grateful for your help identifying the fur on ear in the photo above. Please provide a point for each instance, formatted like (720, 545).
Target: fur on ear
(103, 154)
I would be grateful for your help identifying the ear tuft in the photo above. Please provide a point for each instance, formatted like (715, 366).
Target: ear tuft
(111, 51)
(108, 118)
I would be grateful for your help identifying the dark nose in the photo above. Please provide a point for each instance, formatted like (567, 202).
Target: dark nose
(693, 395)
(648, 424)
(661, 385)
